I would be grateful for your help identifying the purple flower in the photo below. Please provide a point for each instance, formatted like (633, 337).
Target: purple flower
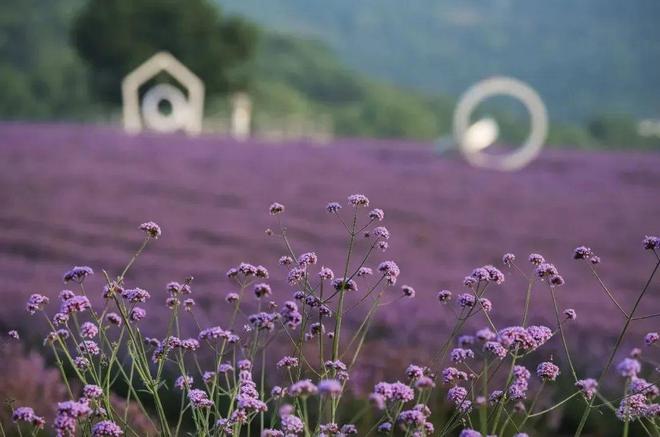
(640, 385)
(632, 407)
(457, 395)
(467, 432)
(292, 424)
(414, 371)
(496, 349)
(137, 314)
(213, 333)
(288, 362)
(344, 284)
(486, 304)
(26, 414)
(333, 207)
(651, 338)
(588, 387)
(402, 392)
(262, 290)
(444, 296)
(381, 232)
(232, 297)
(78, 274)
(13, 334)
(36, 302)
(485, 334)
(89, 330)
(113, 319)
(276, 208)
(66, 295)
(296, 275)
(582, 252)
(151, 229)
(508, 259)
(651, 242)
(136, 295)
(377, 214)
(459, 355)
(89, 347)
(77, 304)
(466, 300)
(408, 291)
(106, 428)
(570, 314)
(307, 259)
(629, 367)
(546, 270)
(303, 388)
(358, 200)
(452, 374)
(364, 271)
(385, 428)
(330, 387)
(326, 273)
(81, 363)
(536, 259)
(199, 399)
(91, 391)
(547, 371)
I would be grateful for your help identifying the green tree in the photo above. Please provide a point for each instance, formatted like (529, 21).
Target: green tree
(115, 36)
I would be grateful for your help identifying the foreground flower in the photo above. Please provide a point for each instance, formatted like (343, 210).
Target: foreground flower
(107, 428)
(78, 274)
(26, 414)
(547, 371)
(358, 200)
(588, 387)
(151, 229)
(276, 208)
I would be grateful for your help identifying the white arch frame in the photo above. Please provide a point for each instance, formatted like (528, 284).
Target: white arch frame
(162, 61)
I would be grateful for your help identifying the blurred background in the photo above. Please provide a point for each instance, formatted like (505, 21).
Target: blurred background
(345, 97)
(369, 68)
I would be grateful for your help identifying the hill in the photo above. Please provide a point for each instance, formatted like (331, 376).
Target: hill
(586, 58)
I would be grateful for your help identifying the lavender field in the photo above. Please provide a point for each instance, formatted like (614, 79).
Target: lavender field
(75, 195)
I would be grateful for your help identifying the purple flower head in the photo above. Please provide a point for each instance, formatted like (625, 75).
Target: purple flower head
(81, 363)
(485, 334)
(582, 252)
(459, 355)
(296, 275)
(536, 259)
(451, 375)
(651, 338)
(66, 295)
(547, 371)
(13, 334)
(113, 319)
(302, 388)
(651, 242)
(91, 391)
(648, 389)
(199, 399)
(556, 280)
(90, 347)
(292, 425)
(330, 387)
(288, 362)
(151, 229)
(364, 271)
(26, 414)
(276, 208)
(480, 274)
(225, 368)
(262, 290)
(358, 200)
(377, 214)
(60, 319)
(136, 295)
(457, 395)
(89, 330)
(413, 418)
(467, 432)
(78, 274)
(77, 304)
(494, 274)
(424, 383)
(190, 344)
(344, 284)
(570, 314)
(381, 232)
(307, 259)
(137, 314)
(444, 296)
(402, 392)
(588, 387)
(508, 259)
(36, 302)
(414, 371)
(408, 291)
(486, 304)
(466, 300)
(232, 297)
(385, 428)
(632, 407)
(546, 270)
(326, 273)
(106, 428)
(496, 349)
(629, 367)
(333, 207)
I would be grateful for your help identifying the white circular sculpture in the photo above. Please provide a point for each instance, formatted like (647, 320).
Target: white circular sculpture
(187, 112)
(473, 138)
(156, 119)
